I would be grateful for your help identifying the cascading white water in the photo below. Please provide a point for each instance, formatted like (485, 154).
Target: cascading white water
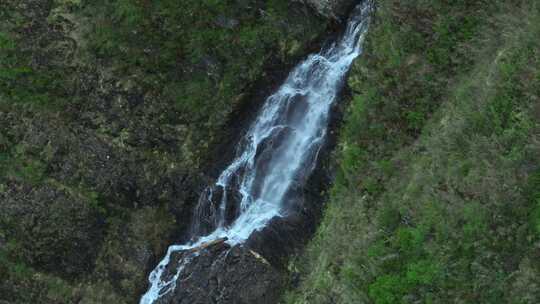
(278, 152)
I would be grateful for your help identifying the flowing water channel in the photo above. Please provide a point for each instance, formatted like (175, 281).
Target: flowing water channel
(277, 153)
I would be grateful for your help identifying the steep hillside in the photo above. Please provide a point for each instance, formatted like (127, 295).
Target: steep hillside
(436, 199)
(110, 113)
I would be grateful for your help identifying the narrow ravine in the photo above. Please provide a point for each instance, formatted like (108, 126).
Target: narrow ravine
(277, 154)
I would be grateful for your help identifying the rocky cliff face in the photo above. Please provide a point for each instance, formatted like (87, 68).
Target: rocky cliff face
(109, 115)
(334, 9)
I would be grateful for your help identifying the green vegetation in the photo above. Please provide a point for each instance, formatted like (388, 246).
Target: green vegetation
(199, 54)
(31, 71)
(109, 113)
(110, 109)
(436, 198)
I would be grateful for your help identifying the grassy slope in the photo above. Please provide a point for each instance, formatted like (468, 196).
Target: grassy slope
(437, 194)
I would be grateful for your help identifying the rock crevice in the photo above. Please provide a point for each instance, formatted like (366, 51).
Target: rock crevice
(333, 9)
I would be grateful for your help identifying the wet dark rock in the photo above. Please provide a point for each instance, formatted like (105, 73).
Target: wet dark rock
(208, 207)
(206, 211)
(223, 275)
(283, 236)
(263, 157)
(233, 199)
(335, 9)
(297, 106)
(274, 140)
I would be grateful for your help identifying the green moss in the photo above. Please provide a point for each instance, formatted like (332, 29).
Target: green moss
(434, 201)
(108, 112)
(22, 80)
(182, 47)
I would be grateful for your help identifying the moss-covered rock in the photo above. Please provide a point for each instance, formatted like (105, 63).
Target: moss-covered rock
(335, 9)
(56, 230)
(110, 111)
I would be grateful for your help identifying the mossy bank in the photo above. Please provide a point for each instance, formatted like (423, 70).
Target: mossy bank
(436, 197)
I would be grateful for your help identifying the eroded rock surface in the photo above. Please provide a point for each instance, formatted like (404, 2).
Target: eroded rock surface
(110, 115)
(335, 9)
(221, 274)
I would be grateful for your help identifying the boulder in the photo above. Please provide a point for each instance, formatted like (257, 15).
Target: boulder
(218, 273)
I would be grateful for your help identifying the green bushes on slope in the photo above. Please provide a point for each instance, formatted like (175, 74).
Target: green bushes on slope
(436, 200)
(28, 76)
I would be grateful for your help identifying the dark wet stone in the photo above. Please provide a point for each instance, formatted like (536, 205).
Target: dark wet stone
(220, 274)
(296, 108)
(334, 9)
(263, 157)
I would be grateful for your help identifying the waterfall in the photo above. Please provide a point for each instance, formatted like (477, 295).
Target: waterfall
(277, 153)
